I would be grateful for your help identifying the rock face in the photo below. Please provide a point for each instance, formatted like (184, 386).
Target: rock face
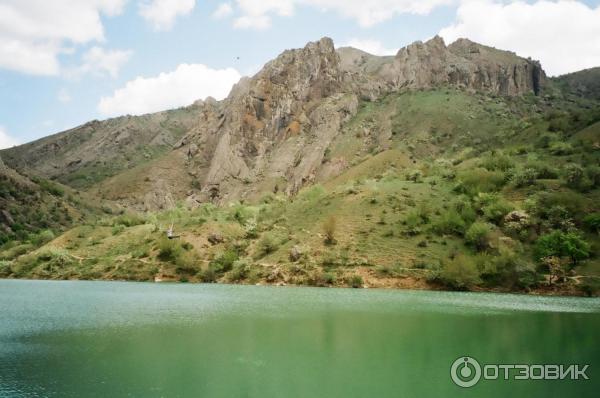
(464, 64)
(273, 131)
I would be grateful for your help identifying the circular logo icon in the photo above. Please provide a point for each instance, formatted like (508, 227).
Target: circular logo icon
(465, 372)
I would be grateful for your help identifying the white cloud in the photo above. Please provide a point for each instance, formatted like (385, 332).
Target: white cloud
(563, 35)
(104, 62)
(163, 13)
(34, 32)
(257, 13)
(63, 95)
(6, 141)
(374, 47)
(180, 87)
(223, 11)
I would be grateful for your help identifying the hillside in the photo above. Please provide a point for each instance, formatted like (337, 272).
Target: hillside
(457, 166)
(585, 83)
(88, 154)
(34, 210)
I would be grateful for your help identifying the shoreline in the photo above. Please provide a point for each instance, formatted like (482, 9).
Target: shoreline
(542, 291)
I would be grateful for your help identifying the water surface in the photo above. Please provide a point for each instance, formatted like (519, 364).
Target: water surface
(80, 339)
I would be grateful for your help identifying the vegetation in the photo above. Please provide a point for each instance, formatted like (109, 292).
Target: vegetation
(467, 192)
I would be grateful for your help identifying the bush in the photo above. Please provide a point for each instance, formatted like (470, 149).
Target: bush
(355, 281)
(575, 177)
(478, 235)
(561, 148)
(508, 269)
(497, 210)
(543, 170)
(5, 268)
(42, 237)
(168, 250)
(499, 162)
(475, 181)
(224, 262)
(129, 220)
(524, 177)
(329, 228)
(592, 222)
(267, 245)
(414, 175)
(460, 273)
(208, 275)
(450, 222)
(239, 271)
(562, 244)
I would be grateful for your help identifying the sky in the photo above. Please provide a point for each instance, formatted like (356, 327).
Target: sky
(65, 62)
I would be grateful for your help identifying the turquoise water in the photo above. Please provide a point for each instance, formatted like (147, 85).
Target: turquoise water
(96, 339)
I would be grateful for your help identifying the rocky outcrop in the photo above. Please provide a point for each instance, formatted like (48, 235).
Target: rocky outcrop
(273, 130)
(463, 64)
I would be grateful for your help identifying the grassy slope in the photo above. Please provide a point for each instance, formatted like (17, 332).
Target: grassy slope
(386, 231)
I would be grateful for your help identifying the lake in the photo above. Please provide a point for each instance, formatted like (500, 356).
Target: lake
(114, 339)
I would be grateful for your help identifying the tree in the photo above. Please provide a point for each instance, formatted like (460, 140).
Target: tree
(562, 244)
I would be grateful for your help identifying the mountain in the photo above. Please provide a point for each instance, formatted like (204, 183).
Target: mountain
(272, 132)
(452, 166)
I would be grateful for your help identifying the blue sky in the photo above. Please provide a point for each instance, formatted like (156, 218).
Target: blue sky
(64, 62)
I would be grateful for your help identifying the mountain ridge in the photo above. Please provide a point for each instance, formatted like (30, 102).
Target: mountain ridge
(239, 142)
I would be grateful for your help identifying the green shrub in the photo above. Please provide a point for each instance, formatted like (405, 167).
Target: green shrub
(524, 177)
(450, 222)
(224, 262)
(42, 237)
(508, 269)
(574, 176)
(414, 175)
(592, 222)
(543, 170)
(117, 229)
(266, 245)
(129, 220)
(355, 281)
(478, 235)
(561, 148)
(240, 271)
(460, 273)
(474, 181)
(497, 210)
(591, 286)
(498, 161)
(329, 228)
(562, 244)
(5, 268)
(542, 203)
(168, 250)
(187, 262)
(208, 275)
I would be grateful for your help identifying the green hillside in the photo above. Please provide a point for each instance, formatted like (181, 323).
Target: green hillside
(443, 189)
